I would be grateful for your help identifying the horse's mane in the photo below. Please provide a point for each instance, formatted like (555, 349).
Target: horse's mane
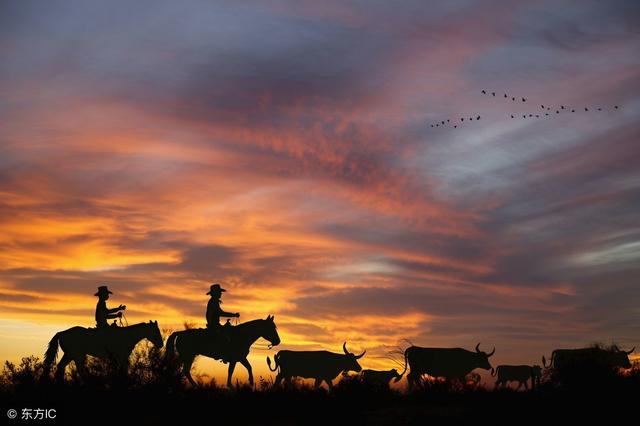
(138, 325)
(249, 323)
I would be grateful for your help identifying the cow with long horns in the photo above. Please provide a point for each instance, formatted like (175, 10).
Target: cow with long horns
(450, 363)
(612, 358)
(319, 365)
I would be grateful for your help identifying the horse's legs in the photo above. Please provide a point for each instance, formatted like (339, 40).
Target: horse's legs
(317, 383)
(81, 366)
(123, 366)
(186, 369)
(66, 359)
(232, 366)
(246, 364)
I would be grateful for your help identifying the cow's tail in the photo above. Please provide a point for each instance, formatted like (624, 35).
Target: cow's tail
(276, 359)
(170, 350)
(52, 353)
(544, 361)
(405, 364)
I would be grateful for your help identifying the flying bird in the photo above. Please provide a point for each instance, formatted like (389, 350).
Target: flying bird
(599, 109)
(484, 92)
(524, 100)
(505, 95)
(586, 109)
(615, 106)
(493, 93)
(542, 106)
(573, 110)
(561, 106)
(455, 126)
(513, 99)
(478, 118)
(462, 119)
(557, 112)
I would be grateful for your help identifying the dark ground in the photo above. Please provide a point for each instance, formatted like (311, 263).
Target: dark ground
(151, 394)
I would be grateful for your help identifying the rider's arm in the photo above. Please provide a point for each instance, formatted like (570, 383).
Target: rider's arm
(113, 311)
(226, 314)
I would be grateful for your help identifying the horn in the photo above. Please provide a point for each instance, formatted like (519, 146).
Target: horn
(344, 348)
(631, 351)
(492, 352)
(361, 355)
(478, 347)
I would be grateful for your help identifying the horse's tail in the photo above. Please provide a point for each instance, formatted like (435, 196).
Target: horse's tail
(276, 359)
(170, 350)
(52, 352)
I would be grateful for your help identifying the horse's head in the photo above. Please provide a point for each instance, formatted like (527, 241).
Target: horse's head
(269, 331)
(153, 334)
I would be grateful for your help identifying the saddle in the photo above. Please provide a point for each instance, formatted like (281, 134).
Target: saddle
(219, 341)
(112, 329)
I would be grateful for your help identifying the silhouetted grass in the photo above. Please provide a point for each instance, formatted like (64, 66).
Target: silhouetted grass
(152, 392)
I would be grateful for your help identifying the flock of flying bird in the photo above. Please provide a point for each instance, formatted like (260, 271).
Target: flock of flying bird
(546, 112)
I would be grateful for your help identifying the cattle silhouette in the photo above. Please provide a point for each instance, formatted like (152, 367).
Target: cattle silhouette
(566, 358)
(380, 378)
(517, 373)
(319, 365)
(111, 342)
(193, 342)
(450, 363)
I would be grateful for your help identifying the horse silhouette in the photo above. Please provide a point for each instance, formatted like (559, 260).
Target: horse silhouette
(193, 342)
(115, 343)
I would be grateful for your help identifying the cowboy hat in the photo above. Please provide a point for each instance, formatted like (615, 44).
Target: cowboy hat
(215, 288)
(103, 290)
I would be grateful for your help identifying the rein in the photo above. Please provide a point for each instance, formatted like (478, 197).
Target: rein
(125, 320)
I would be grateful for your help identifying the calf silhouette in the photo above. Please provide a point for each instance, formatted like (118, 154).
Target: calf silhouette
(380, 378)
(517, 373)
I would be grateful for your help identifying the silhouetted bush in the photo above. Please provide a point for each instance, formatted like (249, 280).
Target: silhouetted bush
(152, 392)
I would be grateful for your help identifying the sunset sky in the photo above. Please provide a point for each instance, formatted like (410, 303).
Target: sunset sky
(284, 149)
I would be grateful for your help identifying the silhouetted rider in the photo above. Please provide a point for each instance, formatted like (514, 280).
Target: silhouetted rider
(102, 312)
(214, 311)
